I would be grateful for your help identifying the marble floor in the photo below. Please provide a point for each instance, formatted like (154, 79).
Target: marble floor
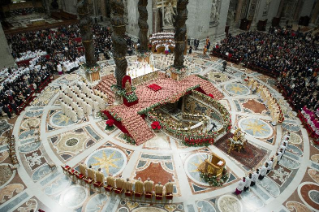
(292, 186)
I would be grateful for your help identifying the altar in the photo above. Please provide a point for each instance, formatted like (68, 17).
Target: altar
(37, 22)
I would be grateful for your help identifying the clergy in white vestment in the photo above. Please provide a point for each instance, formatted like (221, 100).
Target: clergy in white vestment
(263, 171)
(74, 117)
(80, 113)
(240, 186)
(247, 182)
(254, 177)
(270, 163)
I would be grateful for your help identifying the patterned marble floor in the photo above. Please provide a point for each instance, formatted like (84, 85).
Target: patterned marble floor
(292, 186)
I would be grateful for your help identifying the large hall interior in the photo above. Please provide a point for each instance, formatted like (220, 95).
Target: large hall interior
(159, 105)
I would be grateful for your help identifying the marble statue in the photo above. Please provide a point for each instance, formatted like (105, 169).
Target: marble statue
(84, 12)
(213, 13)
(119, 43)
(180, 33)
(142, 23)
(169, 15)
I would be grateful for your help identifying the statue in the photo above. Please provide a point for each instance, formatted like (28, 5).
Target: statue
(128, 87)
(85, 24)
(169, 15)
(142, 23)
(119, 43)
(180, 33)
(213, 13)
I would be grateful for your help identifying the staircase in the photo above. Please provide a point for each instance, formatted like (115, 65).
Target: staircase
(137, 128)
(105, 87)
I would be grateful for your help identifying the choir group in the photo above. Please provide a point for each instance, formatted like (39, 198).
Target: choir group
(77, 101)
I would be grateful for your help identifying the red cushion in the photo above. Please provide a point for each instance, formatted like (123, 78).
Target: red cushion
(138, 194)
(169, 196)
(98, 184)
(118, 190)
(108, 188)
(158, 197)
(148, 195)
(88, 180)
(71, 171)
(79, 176)
(128, 193)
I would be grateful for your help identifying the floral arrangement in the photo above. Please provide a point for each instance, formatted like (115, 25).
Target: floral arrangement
(193, 139)
(202, 77)
(109, 124)
(130, 97)
(92, 69)
(156, 125)
(129, 139)
(178, 71)
(143, 55)
(115, 116)
(171, 99)
(215, 181)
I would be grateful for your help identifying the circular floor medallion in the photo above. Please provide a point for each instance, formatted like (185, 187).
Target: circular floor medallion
(191, 166)
(229, 203)
(255, 127)
(74, 197)
(110, 160)
(237, 89)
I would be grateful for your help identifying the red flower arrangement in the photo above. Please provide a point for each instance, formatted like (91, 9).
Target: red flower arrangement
(211, 95)
(156, 125)
(110, 122)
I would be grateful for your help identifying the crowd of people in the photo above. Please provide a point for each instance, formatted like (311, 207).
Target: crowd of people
(260, 173)
(291, 55)
(19, 84)
(59, 48)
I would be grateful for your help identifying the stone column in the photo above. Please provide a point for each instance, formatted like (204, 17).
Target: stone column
(280, 8)
(84, 10)
(180, 33)
(238, 10)
(119, 43)
(315, 12)
(142, 23)
(298, 9)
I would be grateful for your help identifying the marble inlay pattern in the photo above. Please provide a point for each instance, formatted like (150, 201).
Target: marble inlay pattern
(162, 158)
(46, 95)
(309, 195)
(6, 174)
(61, 143)
(237, 89)
(218, 77)
(297, 206)
(256, 127)
(229, 203)
(74, 197)
(110, 160)
(270, 186)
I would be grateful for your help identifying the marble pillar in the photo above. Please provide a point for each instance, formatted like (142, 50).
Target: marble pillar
(142, 23)
(119, 43)
(280, 8)
(314, 15)
(238, 10)
(84, 10)
(180, 33)
(6, 58)
(298, 10)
